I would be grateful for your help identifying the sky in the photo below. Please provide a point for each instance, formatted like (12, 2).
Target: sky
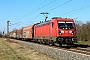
(22, 13)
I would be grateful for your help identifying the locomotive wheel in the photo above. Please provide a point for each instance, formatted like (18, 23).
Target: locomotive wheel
(40, 41)
(60, 45)
(47, 42)
(51, 43)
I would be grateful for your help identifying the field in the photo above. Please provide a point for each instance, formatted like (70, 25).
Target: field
(14, 51)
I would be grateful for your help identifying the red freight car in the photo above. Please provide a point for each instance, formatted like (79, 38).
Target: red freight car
(20, 33)
(59, 30)
(28, 32)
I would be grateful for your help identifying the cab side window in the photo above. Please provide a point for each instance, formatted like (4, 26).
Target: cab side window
(52, 24)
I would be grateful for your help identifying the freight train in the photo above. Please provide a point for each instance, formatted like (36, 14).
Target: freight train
(57, 30)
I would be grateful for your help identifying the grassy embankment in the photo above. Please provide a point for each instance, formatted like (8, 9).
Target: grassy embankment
(7, 53)
(13, 51)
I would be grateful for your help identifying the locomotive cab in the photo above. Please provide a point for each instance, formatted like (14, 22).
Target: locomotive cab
(66, 28)
(65, 31)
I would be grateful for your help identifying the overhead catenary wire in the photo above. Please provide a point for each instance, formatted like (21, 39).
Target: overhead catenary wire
(32, 11)
(73, 10)
(50, 7)
(35, 8)
(38, 9)
(59, 5)
(55, 7)
(54, 4)
(78, 10)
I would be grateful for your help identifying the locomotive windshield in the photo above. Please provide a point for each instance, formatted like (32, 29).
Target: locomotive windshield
(65, 25)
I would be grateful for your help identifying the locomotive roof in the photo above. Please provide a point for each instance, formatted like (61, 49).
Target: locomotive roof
(62, 19)
(46, 22)
(55, 18)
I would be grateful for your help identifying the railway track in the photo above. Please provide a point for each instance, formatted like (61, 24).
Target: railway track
(83, 49)
(80, 48)
(77, 49)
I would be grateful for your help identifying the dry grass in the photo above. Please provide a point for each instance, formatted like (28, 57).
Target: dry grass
(84, 42)
(7, 53)
(14, 51)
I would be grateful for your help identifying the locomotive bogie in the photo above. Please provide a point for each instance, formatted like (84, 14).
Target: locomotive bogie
(67, 40)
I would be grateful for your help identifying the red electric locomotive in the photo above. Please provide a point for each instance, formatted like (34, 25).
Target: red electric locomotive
(58, 30)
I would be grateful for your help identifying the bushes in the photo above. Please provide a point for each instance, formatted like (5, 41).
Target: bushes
(83, 31)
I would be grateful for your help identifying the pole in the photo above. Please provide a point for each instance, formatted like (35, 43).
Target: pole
(8, 26)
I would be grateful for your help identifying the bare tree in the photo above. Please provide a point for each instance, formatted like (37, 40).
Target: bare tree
(78, 29)
(83, 30)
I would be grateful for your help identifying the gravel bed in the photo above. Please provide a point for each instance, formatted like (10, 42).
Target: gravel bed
(55, 52)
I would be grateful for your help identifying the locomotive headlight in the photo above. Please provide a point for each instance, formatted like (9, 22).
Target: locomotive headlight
(62, 31)
(59, 32)
(70, 31)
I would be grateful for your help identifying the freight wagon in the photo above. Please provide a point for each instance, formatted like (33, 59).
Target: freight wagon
(28, 32)
(20, 33)
(13, 34)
